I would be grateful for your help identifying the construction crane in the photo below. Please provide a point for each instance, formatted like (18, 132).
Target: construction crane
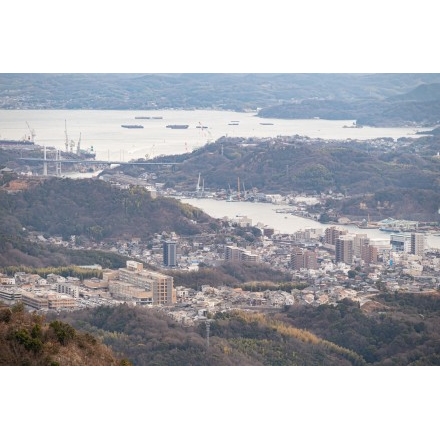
(67, 139)
(198, 187)
(78, 146)
(32, 137)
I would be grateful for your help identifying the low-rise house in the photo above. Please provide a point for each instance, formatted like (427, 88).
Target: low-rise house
(7, 281)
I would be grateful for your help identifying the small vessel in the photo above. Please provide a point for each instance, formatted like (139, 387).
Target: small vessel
(177, 126)
(201, 126)
(390, 230)
(233, 123)
(148, 117)
(266, 123)
(367, 226)
(131, 126)
(353, 126)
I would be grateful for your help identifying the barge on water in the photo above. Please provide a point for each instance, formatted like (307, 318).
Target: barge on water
(178, 126)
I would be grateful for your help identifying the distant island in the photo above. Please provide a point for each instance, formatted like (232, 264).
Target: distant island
(399, 99)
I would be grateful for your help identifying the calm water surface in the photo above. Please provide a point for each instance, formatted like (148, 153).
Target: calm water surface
(102, 130)
(266, 214)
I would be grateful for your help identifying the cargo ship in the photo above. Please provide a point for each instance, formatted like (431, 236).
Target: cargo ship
(181, 126)
(131, 126)
(13, 143)
(148, 117)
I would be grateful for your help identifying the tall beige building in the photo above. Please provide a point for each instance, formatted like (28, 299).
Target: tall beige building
(359, 241)
(303, 259)
(233, 253)
(333, 233)
(345, 249)
(156, 285)
(369, 253)
(417, 243)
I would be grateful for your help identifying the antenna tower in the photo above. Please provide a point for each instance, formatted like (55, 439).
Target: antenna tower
(208, 325)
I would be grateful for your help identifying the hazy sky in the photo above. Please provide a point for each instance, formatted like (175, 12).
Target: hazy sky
(218, 36)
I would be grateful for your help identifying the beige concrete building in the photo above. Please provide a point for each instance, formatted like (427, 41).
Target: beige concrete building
(68, 289)
(60, 301)
(127, 292)
(47, 300)
(9, 281)
(10, 294)
(417, 243)
(303, 259)
(345, 249)
(158, 285)
(234, 253)
(248, 256)
(36, 301)
(333, 233)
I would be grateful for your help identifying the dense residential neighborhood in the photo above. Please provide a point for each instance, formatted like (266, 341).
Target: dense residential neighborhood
(329, 263)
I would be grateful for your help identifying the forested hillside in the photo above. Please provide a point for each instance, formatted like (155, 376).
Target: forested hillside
(392, 329)
(389, 179)
(148, 337)
(19, 252)
(94, 209)
(28, 339)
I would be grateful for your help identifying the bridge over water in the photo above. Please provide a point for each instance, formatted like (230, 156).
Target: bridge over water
(58, 161)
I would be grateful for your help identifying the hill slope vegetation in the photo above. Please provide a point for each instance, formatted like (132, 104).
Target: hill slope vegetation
(26, 339)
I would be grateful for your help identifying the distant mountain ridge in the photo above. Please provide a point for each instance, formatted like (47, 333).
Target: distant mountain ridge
(241, 92)
(423, 93)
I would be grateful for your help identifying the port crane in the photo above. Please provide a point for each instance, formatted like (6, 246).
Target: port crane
(70, 144)
(66, 143)
(32, 137)
(78, 146)
(200, 188)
